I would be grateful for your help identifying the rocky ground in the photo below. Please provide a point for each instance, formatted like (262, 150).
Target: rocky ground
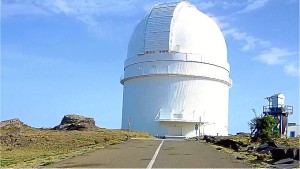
(24, 146)
(279, 153)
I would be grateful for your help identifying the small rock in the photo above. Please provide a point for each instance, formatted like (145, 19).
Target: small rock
(209, 139)
(240, 158)
(218, 148)
(250, 148)
(267, 150)
(262, 147)
(274, 144)
(46, 163)
(205, 137)
(243, 144)
(284, 161)
(261, 157)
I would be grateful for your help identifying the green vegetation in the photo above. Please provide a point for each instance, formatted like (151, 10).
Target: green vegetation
(263, 127)
(7, 162)
(23, 146)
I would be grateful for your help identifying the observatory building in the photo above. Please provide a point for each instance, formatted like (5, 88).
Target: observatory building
(176, 75)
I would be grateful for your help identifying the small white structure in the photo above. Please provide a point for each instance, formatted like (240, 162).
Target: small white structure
(176, 74)
(279, 111)
(293, 130)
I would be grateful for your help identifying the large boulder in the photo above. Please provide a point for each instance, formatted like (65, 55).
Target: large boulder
(266, 148)
(76, 122)
(285, 152)
(230, 144)
(212, 139)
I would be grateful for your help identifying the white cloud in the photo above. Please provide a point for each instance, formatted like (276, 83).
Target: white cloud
(292, 69)
(274, 56)
(249, 41)
(92, 7)
(243, 6)
(270, 55)
(254, 5)
(96, 15)
(20, 8)
(74, 8)
(277, 56)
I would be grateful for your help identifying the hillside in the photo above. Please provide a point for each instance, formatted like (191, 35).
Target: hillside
(25, 146)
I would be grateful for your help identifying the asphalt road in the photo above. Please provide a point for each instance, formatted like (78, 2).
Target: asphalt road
(154, 154)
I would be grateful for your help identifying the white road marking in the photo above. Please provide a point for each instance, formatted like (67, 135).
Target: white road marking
(155, 155)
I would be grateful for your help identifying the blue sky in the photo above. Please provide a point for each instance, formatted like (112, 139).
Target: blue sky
(62, 57)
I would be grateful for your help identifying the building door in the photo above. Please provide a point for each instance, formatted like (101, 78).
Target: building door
(292, 134)
(175, 131)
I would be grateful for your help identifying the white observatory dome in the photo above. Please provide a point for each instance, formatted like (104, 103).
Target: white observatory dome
(178, 27)
(176, 74)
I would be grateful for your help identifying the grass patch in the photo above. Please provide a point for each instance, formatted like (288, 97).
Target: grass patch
(7, 162)
(29, 147)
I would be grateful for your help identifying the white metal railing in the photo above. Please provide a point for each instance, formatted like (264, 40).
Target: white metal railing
(165, 70)
(151, 72)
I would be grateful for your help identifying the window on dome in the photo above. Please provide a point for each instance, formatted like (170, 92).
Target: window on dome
(163, 51)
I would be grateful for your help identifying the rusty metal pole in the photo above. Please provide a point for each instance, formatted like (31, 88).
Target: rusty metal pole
(199, 128)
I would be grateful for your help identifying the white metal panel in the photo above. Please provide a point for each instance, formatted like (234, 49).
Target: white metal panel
(158, 27)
